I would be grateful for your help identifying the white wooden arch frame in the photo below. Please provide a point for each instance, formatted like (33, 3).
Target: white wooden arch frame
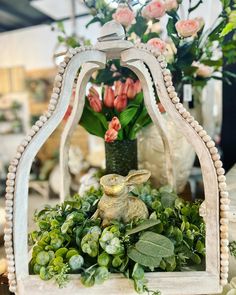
(150, 67)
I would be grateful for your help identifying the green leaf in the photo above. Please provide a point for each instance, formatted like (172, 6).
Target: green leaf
(155, 245)
(168, 200)
(143, 259)
(139, 27)
(91, 123)
(101, 118)
(213, 63)
(227, 29)
(127, 115)
(144, 225)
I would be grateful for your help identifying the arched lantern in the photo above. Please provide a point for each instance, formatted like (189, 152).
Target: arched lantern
(150, 67)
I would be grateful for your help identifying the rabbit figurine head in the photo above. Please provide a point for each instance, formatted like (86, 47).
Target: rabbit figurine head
(115, 185)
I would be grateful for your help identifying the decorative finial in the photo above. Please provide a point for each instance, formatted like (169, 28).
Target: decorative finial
(112, 30)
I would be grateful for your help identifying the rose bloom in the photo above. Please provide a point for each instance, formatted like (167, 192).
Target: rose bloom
(200, 21)
(171, 5)
(115, 124)
(155, 9)
(204, 71)
(111, 135)
(124, 16)
(187, 28)
(109, 97)
(158, 43)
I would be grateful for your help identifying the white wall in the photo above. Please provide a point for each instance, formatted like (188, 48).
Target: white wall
(34, 47)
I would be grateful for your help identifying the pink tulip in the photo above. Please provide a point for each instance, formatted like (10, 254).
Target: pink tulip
(129, 88)
(124, 15)
(138, 86)
(155, 9)
(95, 103)
(188, 28)
(111, 135)
(119, 88)
(120, 102)
(157, 43)
(93, 92)
(115, 124)
(109, 97)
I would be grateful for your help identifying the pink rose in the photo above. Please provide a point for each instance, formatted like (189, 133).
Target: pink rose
(203, 70)
(120, 102)
(124, 15)
(187, 28)
(109, 97)
(158, 43)
(111, 135)
(200, 21)
(171, 5)
(115, 124)
(155, 9)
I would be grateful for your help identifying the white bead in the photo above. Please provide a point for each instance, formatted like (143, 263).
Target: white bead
(186, 114)
(20, 148)
(32, 132)
(168, 83)
(39, 123)
(69, 55)
(213, 150)
(28, 138)
(53, 101)
(221, 178)
(224, 214)
(220, 171)
(173, 94)
(170, 89)
(224, 275)
(182, 110)
(66, 59)
(9, 196)
(225, 201)
(224, 194)
(224, 249)
(8, 210)
(9, 203)
(224, 262)
(9, 224)
(9, 250)
(178, 105)
(55, 96)
(7, 238)
(215, 157)
(7, 231)
(9, 189)
(13, 282)
(57, 84)
(48, 114)
(161, 58)
(35, 128)
(206, 138)
(9, 216)
(167, 78)
(43, 119)
(163, 64)
(202, 133)
(24, 143)
(218, 164)
(210, 144)
(12, 289)
(11, 269)
(51, 107)
(11, 175)
(56, 90)
(224, 207)
(224, 235)
(12, 168)
(9, 256)
(18, 155)
(62, 64)
(166, 72)
(14, 162)
(224, 269)
(190, 119)
(224, 228)
(11, 276)
(223, 282)
(224, 221)
(10, 182)
(61, 70)
(175, 99)
(194, 124)
(223, 185)
(198, 128)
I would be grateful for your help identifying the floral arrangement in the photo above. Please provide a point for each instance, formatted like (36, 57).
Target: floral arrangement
(119, 114)
(68, 240)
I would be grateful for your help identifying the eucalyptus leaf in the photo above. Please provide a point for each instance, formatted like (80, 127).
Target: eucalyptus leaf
(143, 259)
(155, 245)
(143, 226)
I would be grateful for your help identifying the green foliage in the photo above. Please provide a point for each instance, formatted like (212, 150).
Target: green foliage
(232, 248)
(69, 241)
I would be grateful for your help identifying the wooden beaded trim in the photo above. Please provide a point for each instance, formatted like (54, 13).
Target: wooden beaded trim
(12, 169)
(210, 144)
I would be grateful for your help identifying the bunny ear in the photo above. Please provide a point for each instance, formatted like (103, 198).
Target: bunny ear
(137, 177)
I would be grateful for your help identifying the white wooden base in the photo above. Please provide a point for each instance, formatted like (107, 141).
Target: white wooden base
(194, 283)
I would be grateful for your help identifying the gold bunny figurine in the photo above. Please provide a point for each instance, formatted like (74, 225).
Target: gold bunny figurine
(116, 203)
